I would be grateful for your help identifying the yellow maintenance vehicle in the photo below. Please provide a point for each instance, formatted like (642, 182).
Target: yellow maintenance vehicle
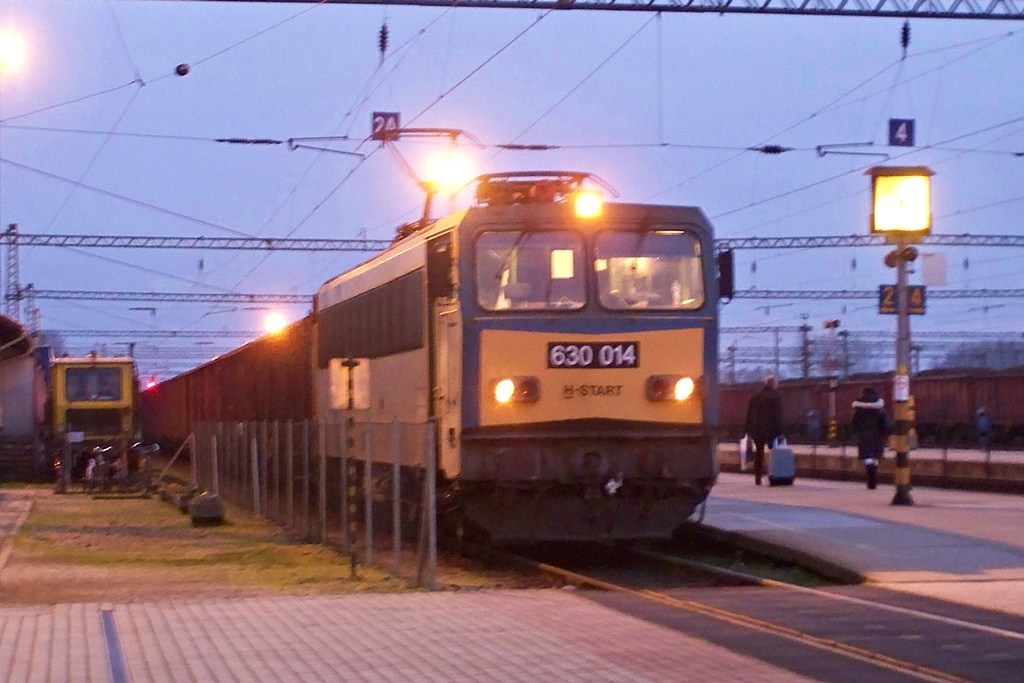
(93, 404)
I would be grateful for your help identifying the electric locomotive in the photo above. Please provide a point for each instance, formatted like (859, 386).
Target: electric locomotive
(565, 349)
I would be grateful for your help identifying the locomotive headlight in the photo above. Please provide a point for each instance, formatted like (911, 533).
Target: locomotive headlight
(517, 390)
(684, 388)
(504, 390)
(588, 204)
(670, 388)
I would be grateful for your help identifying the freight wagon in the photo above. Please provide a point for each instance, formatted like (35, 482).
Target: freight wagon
(267, 379)
(946, 403)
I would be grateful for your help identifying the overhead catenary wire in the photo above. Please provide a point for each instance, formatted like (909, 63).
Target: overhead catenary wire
(737, 150)
(401, 51)
(92, 161)
(837, 103)
(587, 77)
(423, 111)
(124, 198)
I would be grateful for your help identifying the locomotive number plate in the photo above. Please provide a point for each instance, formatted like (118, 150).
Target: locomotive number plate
(586, 355)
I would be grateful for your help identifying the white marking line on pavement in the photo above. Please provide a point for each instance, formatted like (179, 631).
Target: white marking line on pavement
(952, 621)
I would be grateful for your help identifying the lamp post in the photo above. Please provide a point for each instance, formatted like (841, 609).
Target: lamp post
(901, 210)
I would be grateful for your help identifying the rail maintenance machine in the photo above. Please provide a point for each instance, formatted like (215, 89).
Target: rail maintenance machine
(92, 421)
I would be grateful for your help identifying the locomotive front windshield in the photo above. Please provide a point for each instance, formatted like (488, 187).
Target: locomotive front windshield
(657, 269)
(530, 270)
(92, 384)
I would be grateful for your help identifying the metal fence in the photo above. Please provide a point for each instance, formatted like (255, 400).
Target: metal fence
(358, 484)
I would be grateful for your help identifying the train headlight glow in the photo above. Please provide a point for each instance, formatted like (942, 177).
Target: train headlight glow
(588, 204)
(504, 391)
(684, 388)
(670, 388)
(517, 390)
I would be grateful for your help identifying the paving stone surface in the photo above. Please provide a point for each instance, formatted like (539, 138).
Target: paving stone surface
(530, 636)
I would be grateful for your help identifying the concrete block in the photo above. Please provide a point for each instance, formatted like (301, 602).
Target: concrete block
(206, 508)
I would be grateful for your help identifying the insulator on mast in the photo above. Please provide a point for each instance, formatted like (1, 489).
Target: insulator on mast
(382, 40)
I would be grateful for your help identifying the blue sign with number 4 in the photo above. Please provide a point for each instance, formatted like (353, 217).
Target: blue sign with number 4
(901, 132)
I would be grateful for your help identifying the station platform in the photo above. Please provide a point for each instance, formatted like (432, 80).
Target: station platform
(954, 545)
(960, 546)
(982, 470)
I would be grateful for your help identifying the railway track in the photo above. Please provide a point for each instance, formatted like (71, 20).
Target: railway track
(847, 633)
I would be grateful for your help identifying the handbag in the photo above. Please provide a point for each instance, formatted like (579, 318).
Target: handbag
(745, 450)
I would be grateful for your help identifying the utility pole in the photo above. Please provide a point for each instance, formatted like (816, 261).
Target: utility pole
(845, 336)
(805, 356)
(777, 360)
(13, 294)
(732, 363)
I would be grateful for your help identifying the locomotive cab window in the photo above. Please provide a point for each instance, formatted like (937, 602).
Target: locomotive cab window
(652, 269)
(531, 270)
(93, 384)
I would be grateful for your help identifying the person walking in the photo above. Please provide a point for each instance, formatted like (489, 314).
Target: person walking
(872, 425)
(764, 422)
(982, 427)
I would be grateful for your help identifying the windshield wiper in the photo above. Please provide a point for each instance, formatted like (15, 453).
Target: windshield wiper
(521, 239)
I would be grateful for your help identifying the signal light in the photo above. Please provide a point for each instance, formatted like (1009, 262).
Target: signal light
(726, 277)
(151, 383)
(588, 203)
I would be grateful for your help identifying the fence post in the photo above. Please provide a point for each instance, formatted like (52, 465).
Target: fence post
(305, 480)
(215, 483)
(368, 487)
(396, 494)
(322, 490)
(277, 470)
(431, 507)
(230, 473)
(254, 464)
(343, 483)
(290, 473)
(243, 465)
(264, 471)
(194, 458)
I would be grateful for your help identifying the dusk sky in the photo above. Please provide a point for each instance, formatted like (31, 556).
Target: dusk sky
(100, 136)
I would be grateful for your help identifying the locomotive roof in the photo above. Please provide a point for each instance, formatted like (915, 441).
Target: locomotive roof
(407, 254)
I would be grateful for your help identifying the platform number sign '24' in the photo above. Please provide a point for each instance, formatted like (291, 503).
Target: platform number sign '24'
(901, 132)
(887, 299)
(385, 125)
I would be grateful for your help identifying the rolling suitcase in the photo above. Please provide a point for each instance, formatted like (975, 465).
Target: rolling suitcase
(782, 465)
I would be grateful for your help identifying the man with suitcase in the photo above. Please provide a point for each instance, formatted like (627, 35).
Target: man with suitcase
(764, 422)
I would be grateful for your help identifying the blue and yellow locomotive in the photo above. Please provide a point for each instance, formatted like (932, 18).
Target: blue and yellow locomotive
(566, 350)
